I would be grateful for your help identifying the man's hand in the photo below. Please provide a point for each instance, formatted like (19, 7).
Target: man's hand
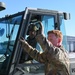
(41, 28)
(23, 42)
(25, 45)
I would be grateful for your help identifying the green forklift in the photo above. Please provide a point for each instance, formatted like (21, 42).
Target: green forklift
(12, 27)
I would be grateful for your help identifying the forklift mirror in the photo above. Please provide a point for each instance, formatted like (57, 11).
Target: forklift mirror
(2, 6)
(66, 16)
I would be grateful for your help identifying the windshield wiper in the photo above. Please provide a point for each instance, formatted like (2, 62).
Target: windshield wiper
(9, 36)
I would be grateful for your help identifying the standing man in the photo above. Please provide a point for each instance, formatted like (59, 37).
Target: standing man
(54, 56)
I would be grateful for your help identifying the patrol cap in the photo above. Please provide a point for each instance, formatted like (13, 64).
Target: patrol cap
(32, 27)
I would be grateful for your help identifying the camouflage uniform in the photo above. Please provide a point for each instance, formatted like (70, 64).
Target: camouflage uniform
(55, 58)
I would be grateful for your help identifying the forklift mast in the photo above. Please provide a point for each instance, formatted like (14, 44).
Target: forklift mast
(12, 27)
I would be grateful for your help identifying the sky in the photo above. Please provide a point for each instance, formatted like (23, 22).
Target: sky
(15, 6)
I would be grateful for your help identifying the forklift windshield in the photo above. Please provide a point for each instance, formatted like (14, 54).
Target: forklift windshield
(9, 27)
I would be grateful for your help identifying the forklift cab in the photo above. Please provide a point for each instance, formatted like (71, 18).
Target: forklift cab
(12, 27)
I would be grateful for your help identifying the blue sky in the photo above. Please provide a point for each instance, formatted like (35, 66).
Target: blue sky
(14, 6)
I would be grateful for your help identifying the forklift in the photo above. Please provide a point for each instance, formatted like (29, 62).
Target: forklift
(14, 26)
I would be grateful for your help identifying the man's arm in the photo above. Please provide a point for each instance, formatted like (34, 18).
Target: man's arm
(41, 39)
(45, 44)
(35, 54)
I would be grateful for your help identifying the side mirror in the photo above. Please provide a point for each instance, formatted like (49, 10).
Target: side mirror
(2, 6)
(66, 16)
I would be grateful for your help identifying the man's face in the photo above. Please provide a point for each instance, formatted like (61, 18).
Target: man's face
(53, 39)
(32, 33)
